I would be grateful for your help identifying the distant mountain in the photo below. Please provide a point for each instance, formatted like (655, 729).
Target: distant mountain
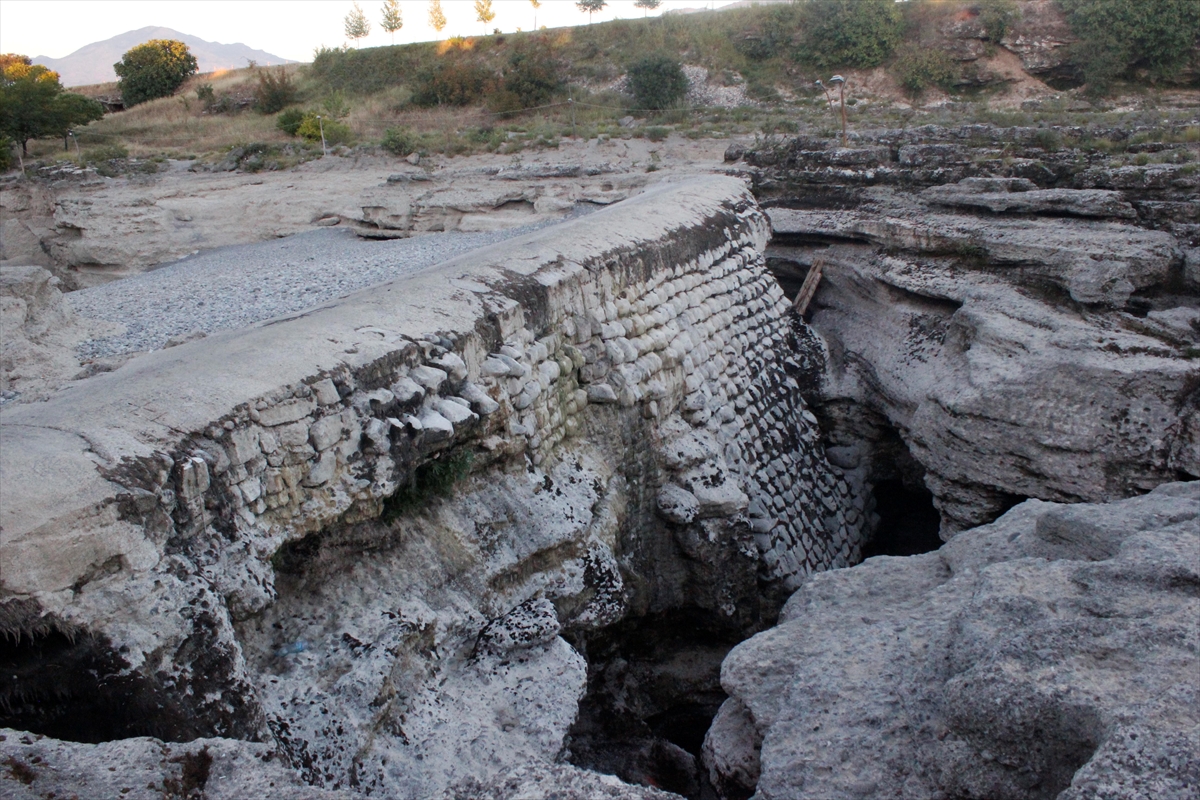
(93, 63)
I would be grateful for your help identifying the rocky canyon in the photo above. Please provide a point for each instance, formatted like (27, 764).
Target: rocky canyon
(594, 510)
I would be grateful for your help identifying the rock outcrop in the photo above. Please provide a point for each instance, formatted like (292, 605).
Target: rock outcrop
(38, 333)
(250, 534)
(1025, 326)
(1051, 654)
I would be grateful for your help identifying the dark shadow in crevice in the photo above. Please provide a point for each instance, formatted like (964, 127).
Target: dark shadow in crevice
(75, 688)
(653, 690)
(908, 521)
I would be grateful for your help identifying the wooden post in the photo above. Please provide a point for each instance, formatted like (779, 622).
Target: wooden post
(809, 287)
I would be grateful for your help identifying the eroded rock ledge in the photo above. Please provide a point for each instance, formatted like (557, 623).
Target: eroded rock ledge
(244, 534)
(1051, 654)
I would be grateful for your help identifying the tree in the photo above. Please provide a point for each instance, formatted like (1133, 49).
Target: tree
(590, 6)
(72, 109)
(850, 33)
(154, 69)
(484, 12)
(647, 5)
(392, 19)
(536, 5)
(437, 17)
(657, 81)
(1119, 36)
(357, 26)
(33, 104)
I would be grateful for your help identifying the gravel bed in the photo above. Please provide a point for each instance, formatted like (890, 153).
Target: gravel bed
(237, 286)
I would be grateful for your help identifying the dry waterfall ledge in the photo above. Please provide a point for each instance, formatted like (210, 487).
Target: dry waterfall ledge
(249, 535)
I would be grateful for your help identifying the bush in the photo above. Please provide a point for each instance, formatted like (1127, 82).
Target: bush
(6, 153)
(1119, 36)
(275, 91)
(400, 141)
(918, 68)
(154, 69)
(996, 16)
(105, 153)
(455, 81)
(657, 133)
(531, 78)
(657, 82)
(289, 120)
(206, 95)
(850, 33)
(335, 132)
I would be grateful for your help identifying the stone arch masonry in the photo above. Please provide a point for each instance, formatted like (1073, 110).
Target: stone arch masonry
(150, 508)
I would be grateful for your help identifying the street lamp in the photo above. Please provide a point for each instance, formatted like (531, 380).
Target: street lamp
(840, 82)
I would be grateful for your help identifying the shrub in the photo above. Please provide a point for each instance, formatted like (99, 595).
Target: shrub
(657, 133)
(289, 120)
(1117, 36)
(657, 82)
(6, 152)
(996, 16)
(918, 68)
(400, 141)
(531, 77)
(154, 69)
(335, 132)
(206, 95)
(850, 33)
(455, 81)
(104, 153)
(275, 91)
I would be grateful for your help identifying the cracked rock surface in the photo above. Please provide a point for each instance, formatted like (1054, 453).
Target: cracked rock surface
(1051, 654)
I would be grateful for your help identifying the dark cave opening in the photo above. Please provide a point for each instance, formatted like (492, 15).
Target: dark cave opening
(908, 520)
(653, 689)
(77, 689)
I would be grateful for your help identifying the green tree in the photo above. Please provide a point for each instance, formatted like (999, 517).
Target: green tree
(154, 69)
(357, 26)
(72, 109)
(33, 103)
(850, 33)
(484, 12)
(437, 17)
(392, 19)
(591, 7)
(1119, 36)
(647, 5)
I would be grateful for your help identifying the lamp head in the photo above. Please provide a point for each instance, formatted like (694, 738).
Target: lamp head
(837, 79)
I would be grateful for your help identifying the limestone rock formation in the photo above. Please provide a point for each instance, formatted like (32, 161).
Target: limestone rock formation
(1051, 654)
(36, 767)
(361, 534)
(38, 333)
(1016, 328)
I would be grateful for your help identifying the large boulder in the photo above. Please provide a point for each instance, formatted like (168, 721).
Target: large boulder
(1051, 654)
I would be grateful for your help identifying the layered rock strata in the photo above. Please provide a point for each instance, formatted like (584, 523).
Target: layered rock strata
(254, 535)
(1026, 325)
(1051, 654)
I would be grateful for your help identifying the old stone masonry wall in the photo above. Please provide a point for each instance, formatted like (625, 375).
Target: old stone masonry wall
(194, 491)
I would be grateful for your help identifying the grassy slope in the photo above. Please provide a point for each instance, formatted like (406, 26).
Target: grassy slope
(751, 47)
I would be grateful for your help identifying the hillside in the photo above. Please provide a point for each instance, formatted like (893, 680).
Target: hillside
(93, 63)
(749, 70)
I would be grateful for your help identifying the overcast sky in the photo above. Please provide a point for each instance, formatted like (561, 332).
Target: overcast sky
(288, 28)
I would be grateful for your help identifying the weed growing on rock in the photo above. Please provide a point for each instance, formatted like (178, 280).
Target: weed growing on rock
(432, 479)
